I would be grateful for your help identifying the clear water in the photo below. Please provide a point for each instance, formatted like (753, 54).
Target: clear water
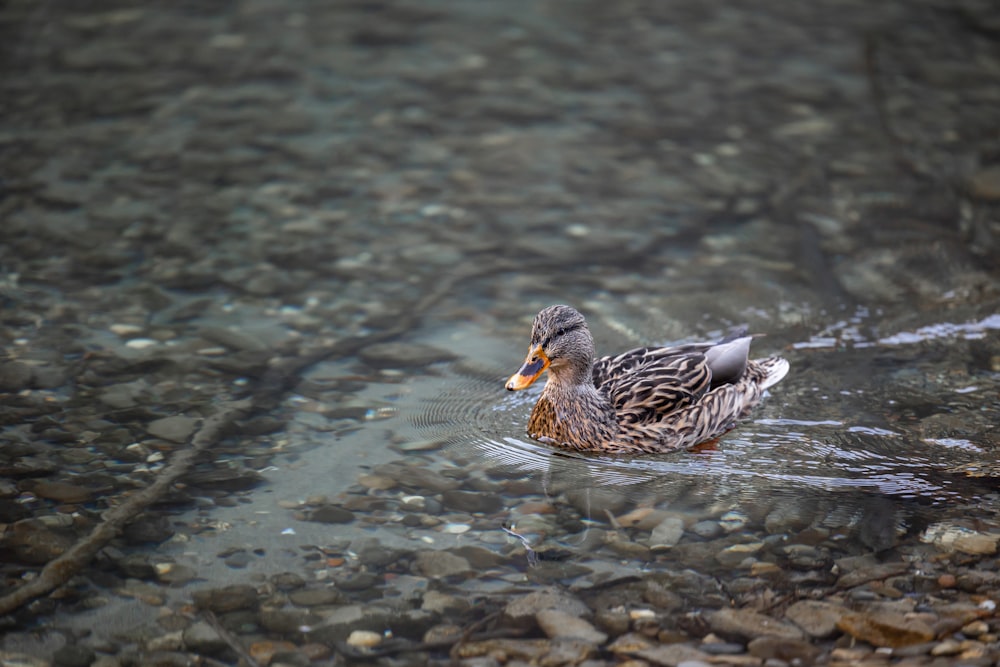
(663, 169)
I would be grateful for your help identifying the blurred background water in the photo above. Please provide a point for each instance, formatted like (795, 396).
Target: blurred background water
(825, 173)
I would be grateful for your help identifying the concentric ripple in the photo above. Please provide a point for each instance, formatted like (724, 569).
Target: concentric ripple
(483, 424)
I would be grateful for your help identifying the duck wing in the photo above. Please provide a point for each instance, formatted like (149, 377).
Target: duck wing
(645, 384)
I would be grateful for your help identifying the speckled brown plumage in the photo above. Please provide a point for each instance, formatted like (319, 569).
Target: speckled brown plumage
(650, 400)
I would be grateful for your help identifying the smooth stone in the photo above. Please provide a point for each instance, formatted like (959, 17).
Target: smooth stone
(817, 618)
(440, 603)
(233, 339)
(783, 648)
(30, 541)
(226, 598)
(286, 621)
(312, 597)
(71, 655)
(364, 639)
(471, 501)
(201, 637)
(417, 477)
(596, 503)
(747, 624)
(15, 376)
(985, 184)
(358, 581)
(672, 655)
(177, 428)
(439, 564)
(885, 628)
(559, 624)
(338, 625)
(666, 534)
(523, 611)
(707, 529)
(331, 514)
(403, 355)
(61, 492)
(871, 573)
(735, 554)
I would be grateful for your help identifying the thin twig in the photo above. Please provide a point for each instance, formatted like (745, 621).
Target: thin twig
(59, 570)
(228, 637)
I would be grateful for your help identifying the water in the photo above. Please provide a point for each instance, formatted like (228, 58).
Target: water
(436, 173)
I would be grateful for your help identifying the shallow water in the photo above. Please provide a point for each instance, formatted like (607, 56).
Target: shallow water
(173, 177)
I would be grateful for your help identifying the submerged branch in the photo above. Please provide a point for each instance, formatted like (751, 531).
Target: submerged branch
(59, 570)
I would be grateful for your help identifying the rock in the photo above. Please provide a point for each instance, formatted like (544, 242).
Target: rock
(364, 639)
(342, 621)
(885, 629)
(417, 477)
(61, 492)
(747, 624)
(736, 554)
(596, 503)
(227, 598)
(148, 529)
(173, 429)
(789, 517)
(872, 573)
(559, 624)
(286, 621)
(403, 355)
(331, 514)
(71, 655)
(30, 541)
(985, 184)
(15, 376)
(666, 534)
(233, 339)
(202, 638)
(439, 564)
(672, 655)
(818, 619)
(287, 581)
(471, 501)
(523, 611)
(440, 603)
(783, 648)
(313, 597)
(14, 659)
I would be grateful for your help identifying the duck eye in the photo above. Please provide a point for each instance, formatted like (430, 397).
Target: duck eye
(560, 332)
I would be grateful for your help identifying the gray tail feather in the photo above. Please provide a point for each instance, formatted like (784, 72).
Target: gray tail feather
(775, 368)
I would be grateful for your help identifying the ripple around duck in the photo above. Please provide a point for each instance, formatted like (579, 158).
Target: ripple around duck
(482, 425)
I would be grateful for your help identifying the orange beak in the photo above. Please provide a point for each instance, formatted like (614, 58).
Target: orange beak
(534, 364)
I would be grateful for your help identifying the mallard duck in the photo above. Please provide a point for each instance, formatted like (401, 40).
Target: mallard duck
(650, 399)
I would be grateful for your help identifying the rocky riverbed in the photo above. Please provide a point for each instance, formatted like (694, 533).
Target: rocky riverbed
(302, 244)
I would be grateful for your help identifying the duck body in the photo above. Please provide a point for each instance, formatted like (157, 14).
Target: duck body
(646, 400)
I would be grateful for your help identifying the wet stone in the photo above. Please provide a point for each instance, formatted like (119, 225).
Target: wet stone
(666, 534)
(30, 541)
(523, 611)
(470, 501)
(173, 429)
(331, 514)
(403, 355)
(227, 598)
(71, 655)
(783, 648)
(201, 637)
(439, 564)
(748, 624)
(817, 618)
(15, 376)
(560, 624)
(885, 629)
(61, 492)
(286, 621)
(311, 597)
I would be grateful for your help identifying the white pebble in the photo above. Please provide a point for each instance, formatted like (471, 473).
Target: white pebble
(141, 343)
(364, 639)
(125, 329)
(456, 528)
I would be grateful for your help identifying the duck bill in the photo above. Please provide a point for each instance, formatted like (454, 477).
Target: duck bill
(533, 366)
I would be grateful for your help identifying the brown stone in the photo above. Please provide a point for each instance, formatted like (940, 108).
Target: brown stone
(885, 629)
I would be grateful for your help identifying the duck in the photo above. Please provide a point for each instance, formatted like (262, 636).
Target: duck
(649, 400)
